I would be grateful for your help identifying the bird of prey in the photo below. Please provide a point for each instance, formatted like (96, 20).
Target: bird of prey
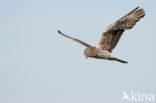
(110, 36)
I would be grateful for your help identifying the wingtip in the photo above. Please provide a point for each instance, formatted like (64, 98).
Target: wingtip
(137, 7)
(59, 31)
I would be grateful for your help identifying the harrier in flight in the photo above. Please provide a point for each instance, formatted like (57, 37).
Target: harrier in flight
(110, 36)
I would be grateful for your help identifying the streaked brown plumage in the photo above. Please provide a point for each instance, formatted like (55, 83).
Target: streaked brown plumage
(111, 36)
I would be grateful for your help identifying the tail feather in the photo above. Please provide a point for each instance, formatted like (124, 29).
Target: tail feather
(119, 60)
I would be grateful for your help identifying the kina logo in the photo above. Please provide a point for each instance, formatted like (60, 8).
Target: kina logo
(137, 96)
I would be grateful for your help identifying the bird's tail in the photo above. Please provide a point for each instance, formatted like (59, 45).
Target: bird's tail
(116, 59)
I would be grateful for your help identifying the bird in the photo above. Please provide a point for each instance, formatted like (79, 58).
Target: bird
(110, 36)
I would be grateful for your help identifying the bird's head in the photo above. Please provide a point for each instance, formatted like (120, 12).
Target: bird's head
(88, 52)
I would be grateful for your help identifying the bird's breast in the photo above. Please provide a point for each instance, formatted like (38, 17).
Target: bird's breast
(103, 53)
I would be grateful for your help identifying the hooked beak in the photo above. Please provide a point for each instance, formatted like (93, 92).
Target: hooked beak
(86, 57)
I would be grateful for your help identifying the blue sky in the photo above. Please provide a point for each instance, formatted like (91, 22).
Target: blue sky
(39, 66)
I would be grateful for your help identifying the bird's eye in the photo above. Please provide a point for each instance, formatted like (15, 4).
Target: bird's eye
(87, 52)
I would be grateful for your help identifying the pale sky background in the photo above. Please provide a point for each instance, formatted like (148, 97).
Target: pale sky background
(39, 66)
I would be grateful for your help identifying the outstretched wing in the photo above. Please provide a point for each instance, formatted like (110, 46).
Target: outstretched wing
(76, 40)
(112, 33)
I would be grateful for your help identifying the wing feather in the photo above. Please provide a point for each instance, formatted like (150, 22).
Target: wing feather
(112, 33)
(74, 39)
